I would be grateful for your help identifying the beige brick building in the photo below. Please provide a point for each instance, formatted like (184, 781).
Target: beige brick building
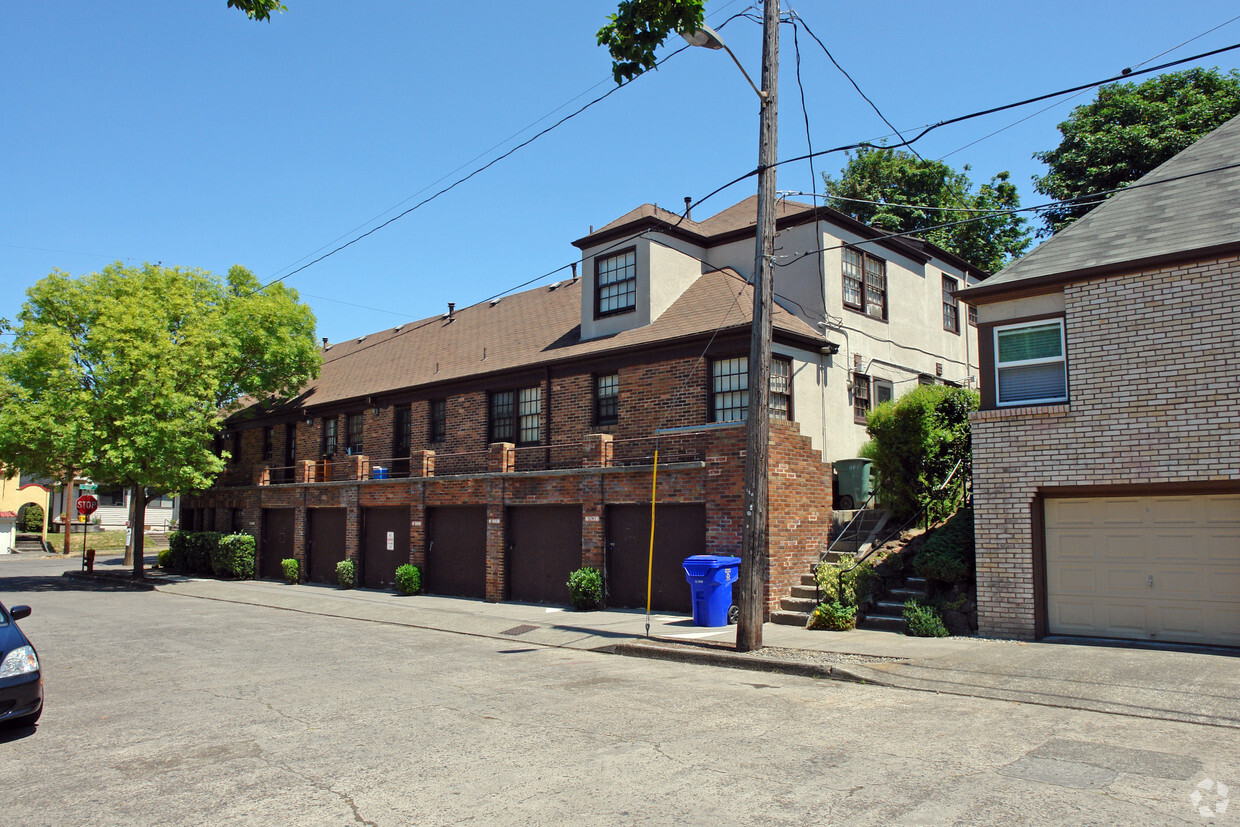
(1107, 450)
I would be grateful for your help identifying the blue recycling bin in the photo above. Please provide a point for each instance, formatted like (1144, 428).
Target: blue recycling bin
(710, 579)
(379, 473)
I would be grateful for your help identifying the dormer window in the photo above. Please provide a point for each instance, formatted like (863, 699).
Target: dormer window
(615, 283)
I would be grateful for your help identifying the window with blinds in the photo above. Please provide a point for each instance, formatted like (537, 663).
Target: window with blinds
(1030, 364)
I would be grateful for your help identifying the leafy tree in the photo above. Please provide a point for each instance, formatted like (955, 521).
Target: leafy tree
(916, 443)
(1127, 131)
(125, 375)
(258, 9)
(640, 26)
(883, 180)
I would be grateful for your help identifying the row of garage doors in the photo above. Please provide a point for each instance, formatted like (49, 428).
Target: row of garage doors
(1163, 568)
(543, 548)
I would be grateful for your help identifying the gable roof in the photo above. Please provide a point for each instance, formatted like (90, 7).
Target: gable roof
(1189, 206)
(526, 330)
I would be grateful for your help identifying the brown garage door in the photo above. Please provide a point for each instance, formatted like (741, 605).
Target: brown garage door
(456, 551)
(325, 528)
(277, 541)
(544, 547)
(680, 531)
(1146, 568)
(385, 545)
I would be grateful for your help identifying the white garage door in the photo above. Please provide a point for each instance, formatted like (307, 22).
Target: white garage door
(1145, 568)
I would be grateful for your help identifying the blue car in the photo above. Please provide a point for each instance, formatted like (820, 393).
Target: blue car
(21, 682)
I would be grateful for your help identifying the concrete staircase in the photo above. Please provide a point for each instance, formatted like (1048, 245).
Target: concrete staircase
(795, 609)
(29, 544)
(887, 612)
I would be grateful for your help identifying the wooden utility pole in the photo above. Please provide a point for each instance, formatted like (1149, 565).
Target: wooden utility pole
(754, 558)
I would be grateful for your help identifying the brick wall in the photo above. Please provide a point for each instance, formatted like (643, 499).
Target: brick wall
(1153, 399)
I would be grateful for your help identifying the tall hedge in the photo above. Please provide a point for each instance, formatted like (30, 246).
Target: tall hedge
(233, 556)
(915, 443)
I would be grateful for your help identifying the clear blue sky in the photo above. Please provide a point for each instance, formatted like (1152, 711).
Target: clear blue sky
(182, 132)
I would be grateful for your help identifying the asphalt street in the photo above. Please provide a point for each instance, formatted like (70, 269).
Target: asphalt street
(170, 709)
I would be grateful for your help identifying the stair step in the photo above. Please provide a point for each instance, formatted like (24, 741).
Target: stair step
(790, 618)
(805, 592)
(884, 623)
(808, 580)
(907, 594)
(795, 604)
(889, 607)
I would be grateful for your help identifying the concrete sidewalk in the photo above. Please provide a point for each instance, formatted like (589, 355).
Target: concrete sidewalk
(1178, 684)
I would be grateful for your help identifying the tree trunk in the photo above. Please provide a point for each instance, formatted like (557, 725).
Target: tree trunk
(68, 511)
(137, 521)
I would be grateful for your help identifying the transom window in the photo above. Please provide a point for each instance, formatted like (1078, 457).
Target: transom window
(355, 433)
(729, 389)
(1030, 364)
(516, 416)
(865, 283)
(607, 399)
(951, 308)
(615, 283)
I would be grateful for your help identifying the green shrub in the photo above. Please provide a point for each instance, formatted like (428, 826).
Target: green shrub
(165, 558)
(585, 588)
(202, 545)
(916, 442)
(833, 617)
(345, 574)
(858, 581)
(948, 554)
(178, 551)
(32, 518)
(291, 569)
(923, 621)
(408, 579)
(233, 556)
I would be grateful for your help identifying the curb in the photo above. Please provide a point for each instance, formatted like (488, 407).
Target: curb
(711, 655)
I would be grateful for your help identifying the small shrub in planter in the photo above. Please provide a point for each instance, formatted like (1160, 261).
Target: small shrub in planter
(585, 589)
(833, 617)
(408, 579)
(233, 556)
(345, 574)
(291, 569)
(923, 621)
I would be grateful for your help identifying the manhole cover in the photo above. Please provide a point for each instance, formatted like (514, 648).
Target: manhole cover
(518, 630)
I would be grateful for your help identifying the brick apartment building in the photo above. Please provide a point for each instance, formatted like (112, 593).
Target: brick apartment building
(501, 446)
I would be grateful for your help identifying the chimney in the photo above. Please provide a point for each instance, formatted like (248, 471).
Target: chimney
(325, 343)
(574, 271)
(451, 309)
(688, 204)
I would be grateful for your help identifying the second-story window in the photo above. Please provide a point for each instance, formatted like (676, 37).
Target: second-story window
(355, 433)
(529, 415)
(729, 383)
(607, 399)
(516, 416)
(329, 435)
(615, 283)
(865, 283)
(438, 430)
(402, 425)
(861, 397)
(951, 308)
(268, 448)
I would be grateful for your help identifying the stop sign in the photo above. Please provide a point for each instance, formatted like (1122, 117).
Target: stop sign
(86, 504)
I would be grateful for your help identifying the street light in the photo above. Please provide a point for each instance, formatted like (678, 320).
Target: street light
(752, 581)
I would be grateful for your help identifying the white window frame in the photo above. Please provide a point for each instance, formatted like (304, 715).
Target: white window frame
(1061, 359)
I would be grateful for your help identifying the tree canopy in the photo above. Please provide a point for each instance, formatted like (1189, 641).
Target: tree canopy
(126, 374)
(640, 26)
(898, 192)
(1127, 131)
(258, 9)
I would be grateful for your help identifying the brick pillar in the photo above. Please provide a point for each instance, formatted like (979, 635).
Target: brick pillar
(262, 475)
(299, 541)
(500, 457)
(353, 530)
(303, 471)
(422, 464)
(596, 451)
(354, 467)
(497, 556)
(417, 529)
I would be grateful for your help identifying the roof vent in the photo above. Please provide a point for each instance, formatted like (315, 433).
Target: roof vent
(361, 339)
(494, 302)
(397, 328)
(554, 286)
(574, 266)
(325, 344)
(688, 206)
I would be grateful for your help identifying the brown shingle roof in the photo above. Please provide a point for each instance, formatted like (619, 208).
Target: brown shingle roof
(524, 330)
